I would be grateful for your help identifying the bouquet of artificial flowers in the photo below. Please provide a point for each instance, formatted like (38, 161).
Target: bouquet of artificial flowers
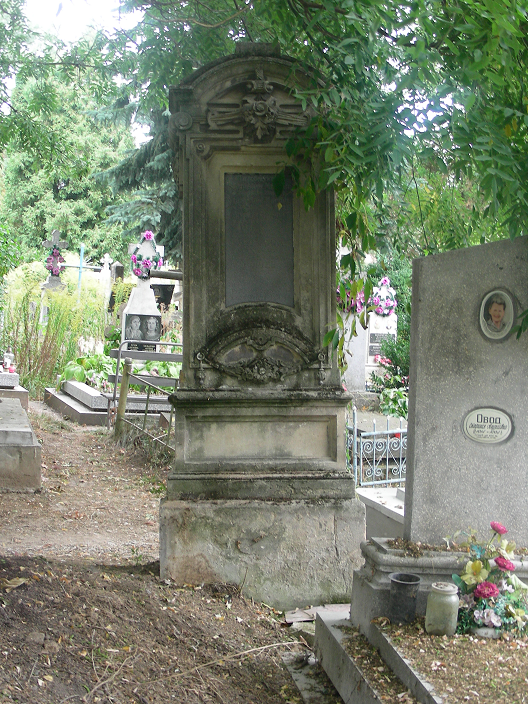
(491, 595)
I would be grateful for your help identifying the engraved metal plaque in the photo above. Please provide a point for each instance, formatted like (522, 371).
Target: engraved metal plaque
(258, 240)
(488, 425)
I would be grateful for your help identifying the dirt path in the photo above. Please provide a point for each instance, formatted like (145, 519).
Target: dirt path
(98, 501)
(84, 615)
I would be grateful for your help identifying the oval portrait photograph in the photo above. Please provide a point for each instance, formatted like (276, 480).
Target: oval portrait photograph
(497, 314)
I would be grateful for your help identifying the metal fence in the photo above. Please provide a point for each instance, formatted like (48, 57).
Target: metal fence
(376, 457)
(121, 421)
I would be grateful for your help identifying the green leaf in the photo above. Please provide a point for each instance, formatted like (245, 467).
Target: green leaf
(329, 337)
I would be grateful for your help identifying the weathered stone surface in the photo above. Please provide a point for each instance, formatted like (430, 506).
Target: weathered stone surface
(283, 553)
(457, 366)
(19, 449)
(258, 432)
(9, 379)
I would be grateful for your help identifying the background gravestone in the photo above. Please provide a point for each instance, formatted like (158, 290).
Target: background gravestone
(467, 455)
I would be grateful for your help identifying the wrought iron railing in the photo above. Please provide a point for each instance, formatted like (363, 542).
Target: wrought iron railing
(377, 457)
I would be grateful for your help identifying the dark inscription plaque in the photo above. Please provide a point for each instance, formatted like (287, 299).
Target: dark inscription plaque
(376, 338)
(258, 240)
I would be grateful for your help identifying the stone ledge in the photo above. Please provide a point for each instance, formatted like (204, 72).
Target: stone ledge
(260, 486)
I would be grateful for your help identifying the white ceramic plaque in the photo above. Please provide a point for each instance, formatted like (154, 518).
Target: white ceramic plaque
(488, 425)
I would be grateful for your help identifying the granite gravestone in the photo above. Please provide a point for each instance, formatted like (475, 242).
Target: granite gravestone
(468, 428)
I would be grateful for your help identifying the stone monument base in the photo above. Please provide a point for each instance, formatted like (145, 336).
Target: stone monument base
(371, 584)
(286, 553)
(18, 392)
(19, 449)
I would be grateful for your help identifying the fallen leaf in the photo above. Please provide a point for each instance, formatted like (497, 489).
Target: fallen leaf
(9, 584)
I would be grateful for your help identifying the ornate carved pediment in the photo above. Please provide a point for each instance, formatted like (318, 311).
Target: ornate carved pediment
(261, 111)
(259, 355)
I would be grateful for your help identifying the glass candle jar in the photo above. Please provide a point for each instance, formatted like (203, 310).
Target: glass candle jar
(442, 609)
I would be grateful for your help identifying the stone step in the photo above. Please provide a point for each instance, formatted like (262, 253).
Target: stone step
(83, 414)
(87, 395)
(72, 409)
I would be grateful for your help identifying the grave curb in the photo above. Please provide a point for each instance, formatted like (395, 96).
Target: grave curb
(420, 688)
(348, 679)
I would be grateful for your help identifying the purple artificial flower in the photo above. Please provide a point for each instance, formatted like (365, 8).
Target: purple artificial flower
(55, 252)
(504, 565)
(137, 272)
(160, 263)
(49, 259)
(148, 235)
(146, 263)
(133, 259)
(486, 590)
(61, 259)
(49, 266)
(55, 271)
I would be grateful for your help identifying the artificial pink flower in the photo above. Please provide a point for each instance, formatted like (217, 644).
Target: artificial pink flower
(133, 258)
(498, 528)
(146, 263)
(486, 590)
(148, 235)
(160, 263)
(137, 272)
(55, 271)
(504, 564)
(379, 310)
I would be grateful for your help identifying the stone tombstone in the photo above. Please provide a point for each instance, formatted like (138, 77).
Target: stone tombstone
(141, 318)
(260, 411)
(382, 324)
(468, 428)
(163, 293)
(117, 271)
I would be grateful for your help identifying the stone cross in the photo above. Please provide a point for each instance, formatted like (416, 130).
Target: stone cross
(55, 241)
(55, 259)
(106, 261)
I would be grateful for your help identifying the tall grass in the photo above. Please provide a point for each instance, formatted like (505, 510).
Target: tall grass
(42, 349)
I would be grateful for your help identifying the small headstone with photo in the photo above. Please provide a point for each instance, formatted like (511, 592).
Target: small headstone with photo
(141, 319)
